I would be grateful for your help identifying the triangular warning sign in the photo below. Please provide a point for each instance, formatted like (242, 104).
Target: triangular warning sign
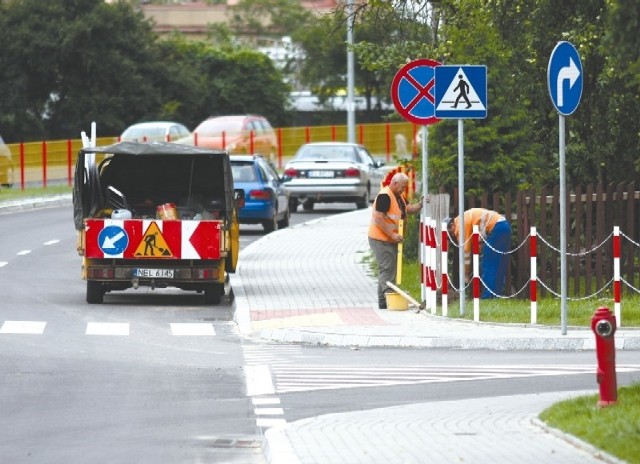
(460, 95)
(153, 244)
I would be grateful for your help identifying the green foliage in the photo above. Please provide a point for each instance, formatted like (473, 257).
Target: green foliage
(516, 146)
(613, 429)
(66, 63)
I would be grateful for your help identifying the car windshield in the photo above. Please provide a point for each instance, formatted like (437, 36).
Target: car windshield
(139, 132)
(326, 152)
(243, 173)
(217, 126)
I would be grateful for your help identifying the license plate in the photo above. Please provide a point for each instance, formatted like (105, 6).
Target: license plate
(320, 173)
(154, 273)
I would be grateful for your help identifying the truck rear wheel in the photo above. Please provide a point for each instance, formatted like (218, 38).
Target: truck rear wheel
(95, 292)
(213, 294)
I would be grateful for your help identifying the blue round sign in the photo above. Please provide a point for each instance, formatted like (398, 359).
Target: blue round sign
(564, 78)
(113, 240)
(412, 91)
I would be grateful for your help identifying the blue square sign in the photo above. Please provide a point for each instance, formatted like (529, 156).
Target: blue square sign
(461, 92)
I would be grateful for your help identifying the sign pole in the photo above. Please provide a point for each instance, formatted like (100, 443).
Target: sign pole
(563, 226)
(564, 80)
(425, 170)
(461, 238)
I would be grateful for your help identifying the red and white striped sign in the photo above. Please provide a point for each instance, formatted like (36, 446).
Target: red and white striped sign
(152, 239)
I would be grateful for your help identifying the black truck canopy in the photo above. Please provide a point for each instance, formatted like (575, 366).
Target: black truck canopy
(158, 171)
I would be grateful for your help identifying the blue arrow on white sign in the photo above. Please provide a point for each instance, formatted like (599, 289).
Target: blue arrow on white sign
(113, 240)
(564, 78)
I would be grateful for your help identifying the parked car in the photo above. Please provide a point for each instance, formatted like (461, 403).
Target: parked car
(266, 200)
(155, 131)
(238, 134)
(6, 165)
(332, 172)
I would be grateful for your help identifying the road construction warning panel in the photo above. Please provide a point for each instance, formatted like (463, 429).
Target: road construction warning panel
(149, 238)
(153, 244)
(461, 92)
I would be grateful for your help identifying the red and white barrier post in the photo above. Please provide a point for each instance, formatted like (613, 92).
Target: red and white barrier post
(476, 274)
(533, 283)
(616, 275)
(444, 238)
(432, 271)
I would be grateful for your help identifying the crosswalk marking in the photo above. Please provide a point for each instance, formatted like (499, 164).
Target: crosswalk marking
(107, 328)
(307, 378)
(192, 328)
(23, 327)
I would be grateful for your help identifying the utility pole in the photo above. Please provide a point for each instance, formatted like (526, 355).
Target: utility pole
(351, 115)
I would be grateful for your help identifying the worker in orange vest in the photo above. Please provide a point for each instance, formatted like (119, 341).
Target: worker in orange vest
(388, 208)
(495, 232)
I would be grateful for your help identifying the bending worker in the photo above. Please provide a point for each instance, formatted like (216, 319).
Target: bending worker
(388, 208)
(496, 232)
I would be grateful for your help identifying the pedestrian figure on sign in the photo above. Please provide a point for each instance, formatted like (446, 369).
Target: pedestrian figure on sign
(463, 89)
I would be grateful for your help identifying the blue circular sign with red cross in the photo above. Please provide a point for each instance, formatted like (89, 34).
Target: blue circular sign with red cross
(412, 91)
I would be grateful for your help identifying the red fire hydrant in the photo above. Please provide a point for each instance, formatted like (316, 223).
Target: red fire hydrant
(603, 324)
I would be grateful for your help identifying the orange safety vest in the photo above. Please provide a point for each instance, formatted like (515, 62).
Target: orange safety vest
(392, 217)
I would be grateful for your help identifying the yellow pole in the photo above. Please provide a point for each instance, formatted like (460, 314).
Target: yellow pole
(399, 264)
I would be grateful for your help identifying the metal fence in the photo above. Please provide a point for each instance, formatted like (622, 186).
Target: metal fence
(46, 162)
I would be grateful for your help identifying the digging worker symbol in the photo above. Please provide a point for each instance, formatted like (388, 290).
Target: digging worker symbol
(463, 89)
(150, 245)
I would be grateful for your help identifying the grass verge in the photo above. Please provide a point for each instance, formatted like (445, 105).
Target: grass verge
(614, 429)
(29, 192)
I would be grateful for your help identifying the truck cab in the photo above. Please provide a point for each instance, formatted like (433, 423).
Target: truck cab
(156, 215)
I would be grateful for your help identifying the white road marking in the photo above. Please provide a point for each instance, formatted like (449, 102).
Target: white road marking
(23, 252)
(269, 411)
(3, 263)
(258, 380)
(192, 328)
(23, 327)
(107, 328)
(264, 422)
(52, 242)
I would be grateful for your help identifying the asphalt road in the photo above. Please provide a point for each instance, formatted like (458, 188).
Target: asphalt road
(157, 376)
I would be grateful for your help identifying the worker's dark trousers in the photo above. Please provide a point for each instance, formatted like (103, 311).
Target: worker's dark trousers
(386, 254)
(495, 260)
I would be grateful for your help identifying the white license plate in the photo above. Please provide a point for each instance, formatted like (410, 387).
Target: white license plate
(320, 173)
(154, 273)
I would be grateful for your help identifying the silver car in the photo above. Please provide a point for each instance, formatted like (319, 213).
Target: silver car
(332, 172)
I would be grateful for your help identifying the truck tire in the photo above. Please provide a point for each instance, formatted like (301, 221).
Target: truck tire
(95, 292)
(213, 294)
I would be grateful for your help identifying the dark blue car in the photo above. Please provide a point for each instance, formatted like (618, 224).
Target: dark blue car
(266, 200)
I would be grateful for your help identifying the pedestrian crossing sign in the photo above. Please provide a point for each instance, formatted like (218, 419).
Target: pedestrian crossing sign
(461, 92)
(153, 244)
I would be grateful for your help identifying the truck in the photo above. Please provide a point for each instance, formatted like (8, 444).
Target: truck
(156, 215)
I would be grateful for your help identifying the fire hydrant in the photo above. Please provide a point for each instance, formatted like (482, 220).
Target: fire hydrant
(603, 324)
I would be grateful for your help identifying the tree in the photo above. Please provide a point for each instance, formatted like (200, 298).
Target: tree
(65, 63)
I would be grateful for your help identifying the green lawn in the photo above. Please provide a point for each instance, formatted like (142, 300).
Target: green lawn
(614, 429)
(579, 312)
(16, 193)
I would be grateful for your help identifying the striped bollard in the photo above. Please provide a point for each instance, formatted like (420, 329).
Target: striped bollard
(423, 282)
(444, 238)
(433, 261)
(533, 283)
(476, 274)
(616, 275)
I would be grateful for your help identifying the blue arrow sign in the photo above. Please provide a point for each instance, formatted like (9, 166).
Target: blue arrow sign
(564, 78)
(461, 92)
(113, 240)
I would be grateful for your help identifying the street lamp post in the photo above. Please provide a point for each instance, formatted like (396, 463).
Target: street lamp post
(351, 116)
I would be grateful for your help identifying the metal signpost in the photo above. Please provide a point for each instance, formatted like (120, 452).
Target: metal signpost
(412, 95)
(564, 79)
(461, 93)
